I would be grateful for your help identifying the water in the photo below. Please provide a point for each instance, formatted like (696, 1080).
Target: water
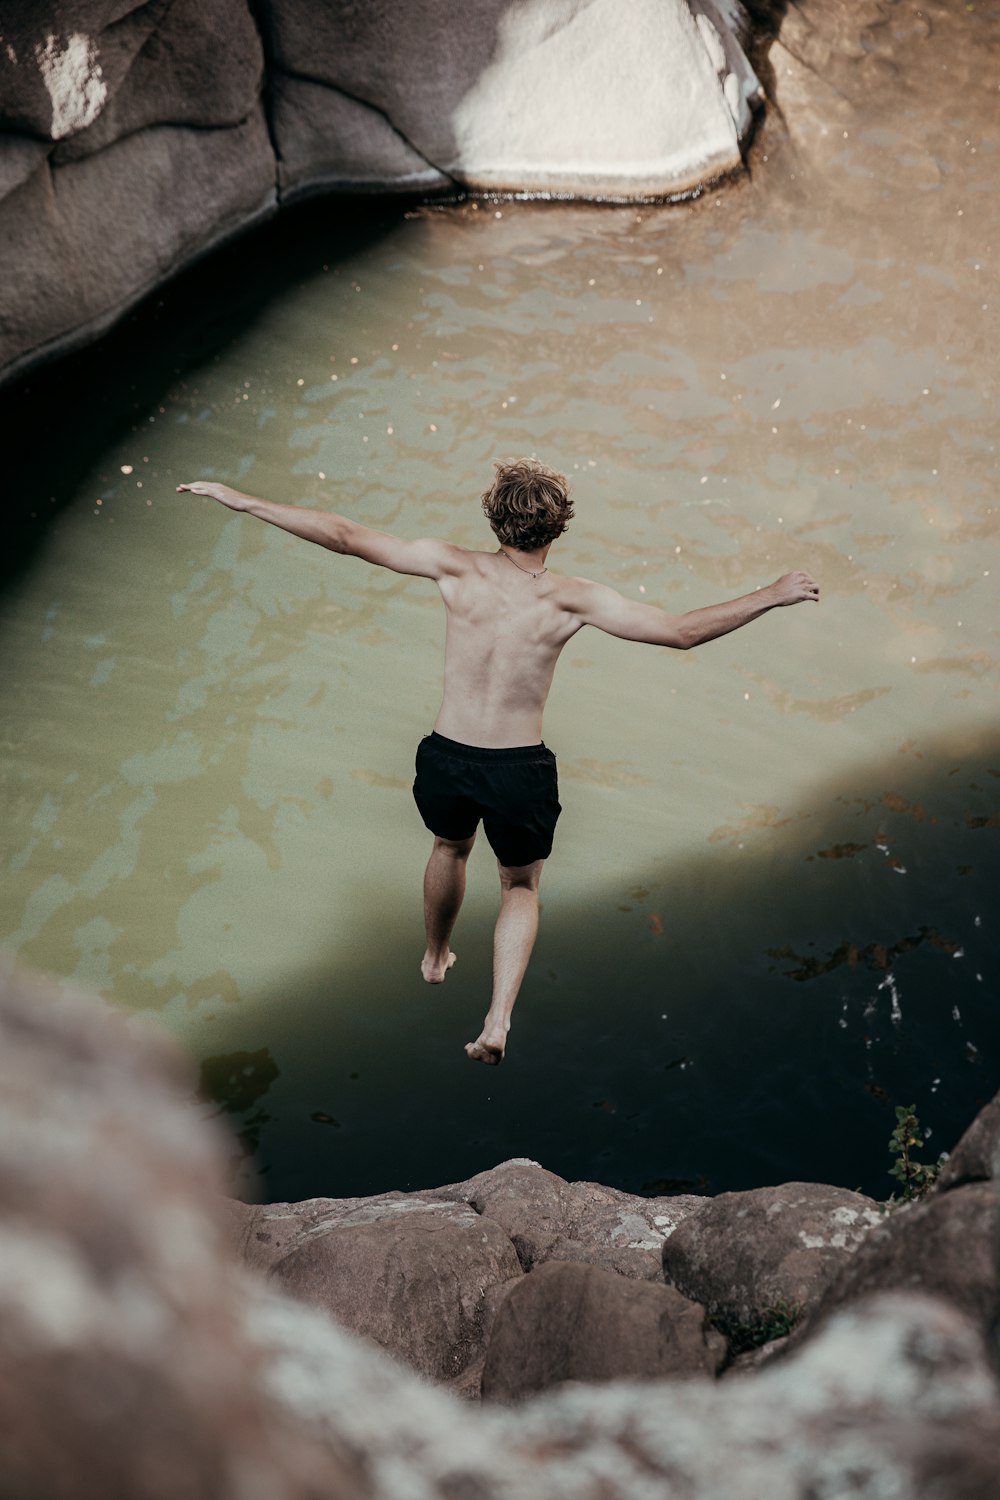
(771, 914)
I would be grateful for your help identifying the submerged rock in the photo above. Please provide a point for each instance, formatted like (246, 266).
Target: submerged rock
(137, 136)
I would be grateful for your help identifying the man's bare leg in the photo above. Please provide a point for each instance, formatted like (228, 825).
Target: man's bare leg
(513, 940)
(444, 888)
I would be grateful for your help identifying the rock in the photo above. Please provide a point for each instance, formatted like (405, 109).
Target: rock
(943, 1245)
(408, 1272)
(620, 1231)
(154, 147)
(746, 1253)
(125, 1368)
(548, 1218)
(529, 1204)
(138, 136)
(263, 1233)
(521, 98)
(571, 1322)
(976, 1158)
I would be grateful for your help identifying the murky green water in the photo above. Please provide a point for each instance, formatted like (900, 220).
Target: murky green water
(771, 911)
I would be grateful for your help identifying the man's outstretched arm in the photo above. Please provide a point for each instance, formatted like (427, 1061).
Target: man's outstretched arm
(605, 608)
(426, 558)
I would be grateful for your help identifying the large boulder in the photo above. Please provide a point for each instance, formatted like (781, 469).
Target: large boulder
(573, 1322)
(408, 1272)
(745, 1255)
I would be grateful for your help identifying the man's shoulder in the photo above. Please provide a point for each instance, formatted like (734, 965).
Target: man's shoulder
(571, 592)
(452, 558)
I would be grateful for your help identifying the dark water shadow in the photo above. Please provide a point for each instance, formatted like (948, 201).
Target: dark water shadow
(61, 418)
(733, 1018)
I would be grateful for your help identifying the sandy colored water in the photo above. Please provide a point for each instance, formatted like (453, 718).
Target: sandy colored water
(770, 915)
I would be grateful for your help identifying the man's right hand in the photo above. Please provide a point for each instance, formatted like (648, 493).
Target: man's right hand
(226, 496)
(794, 588)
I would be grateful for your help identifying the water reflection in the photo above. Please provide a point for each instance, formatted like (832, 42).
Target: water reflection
(760, 925)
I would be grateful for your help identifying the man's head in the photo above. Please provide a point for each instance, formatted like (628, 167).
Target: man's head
(527, 504)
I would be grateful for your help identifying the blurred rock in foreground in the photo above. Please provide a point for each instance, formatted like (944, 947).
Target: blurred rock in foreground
(139, 1361)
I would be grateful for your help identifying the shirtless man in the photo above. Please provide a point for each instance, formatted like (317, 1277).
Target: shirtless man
(508, 619)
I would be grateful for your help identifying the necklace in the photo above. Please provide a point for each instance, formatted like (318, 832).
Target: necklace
(520, 569)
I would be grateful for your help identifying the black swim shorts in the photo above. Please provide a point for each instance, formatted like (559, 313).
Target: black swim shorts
(515, 793)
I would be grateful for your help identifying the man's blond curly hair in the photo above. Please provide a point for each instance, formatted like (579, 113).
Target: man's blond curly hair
(527, 504)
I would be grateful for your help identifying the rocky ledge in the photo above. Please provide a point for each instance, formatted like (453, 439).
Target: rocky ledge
(139, 1360)
(517, 1280)
(137, 135)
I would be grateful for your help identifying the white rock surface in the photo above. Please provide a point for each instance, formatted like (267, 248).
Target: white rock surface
(583, 98)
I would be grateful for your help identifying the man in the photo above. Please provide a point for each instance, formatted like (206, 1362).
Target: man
(508, 619)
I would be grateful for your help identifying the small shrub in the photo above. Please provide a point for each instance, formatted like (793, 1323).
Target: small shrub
(772, 1322)
(916, 1176)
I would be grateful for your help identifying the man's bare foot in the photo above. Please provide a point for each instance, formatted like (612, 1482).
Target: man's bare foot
(488, 1048)
(434, 972)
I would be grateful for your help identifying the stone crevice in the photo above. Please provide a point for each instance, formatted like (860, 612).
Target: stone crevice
(267, 89)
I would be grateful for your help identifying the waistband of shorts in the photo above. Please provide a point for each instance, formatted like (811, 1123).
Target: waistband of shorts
(486, 752)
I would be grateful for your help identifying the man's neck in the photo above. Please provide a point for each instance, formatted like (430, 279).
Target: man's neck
(528, 562)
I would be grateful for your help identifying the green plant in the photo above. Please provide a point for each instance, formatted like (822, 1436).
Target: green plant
(772, 1322)
(915, 1176)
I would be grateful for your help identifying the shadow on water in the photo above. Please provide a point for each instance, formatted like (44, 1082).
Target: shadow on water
(747, 1015)
(61, 418)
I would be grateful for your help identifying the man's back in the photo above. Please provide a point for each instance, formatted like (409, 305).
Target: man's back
(506, 628)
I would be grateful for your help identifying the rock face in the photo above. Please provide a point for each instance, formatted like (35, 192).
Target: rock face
(573, 1322)
(135, 143)
(423, 1274)
(510, 98)
(410, 1273)
(745, 1254)
(139, 135)
(138, 1361)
